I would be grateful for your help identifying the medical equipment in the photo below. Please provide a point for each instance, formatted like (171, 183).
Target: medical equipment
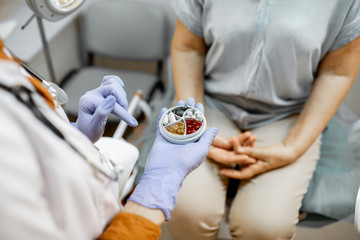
(59, 95)
(182, 124)
(56, 92)
(53, 10)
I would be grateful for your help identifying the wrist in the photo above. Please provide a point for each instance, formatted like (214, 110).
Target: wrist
(154, 215)
(158, 190)
(294, 150)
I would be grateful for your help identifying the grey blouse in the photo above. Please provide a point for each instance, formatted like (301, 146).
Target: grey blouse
(263, 54)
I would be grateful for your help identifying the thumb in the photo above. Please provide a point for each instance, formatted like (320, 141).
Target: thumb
(163, 110)
(255, 152)
(104, 109)
(209, 135)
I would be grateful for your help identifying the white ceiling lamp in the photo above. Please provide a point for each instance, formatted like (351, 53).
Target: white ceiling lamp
(52, 10)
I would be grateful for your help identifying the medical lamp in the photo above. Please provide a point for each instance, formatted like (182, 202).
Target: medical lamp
(52, 10)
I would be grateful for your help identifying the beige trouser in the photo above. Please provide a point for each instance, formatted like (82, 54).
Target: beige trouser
(265, 207)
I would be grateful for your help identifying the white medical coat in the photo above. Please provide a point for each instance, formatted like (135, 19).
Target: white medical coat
(47, 190)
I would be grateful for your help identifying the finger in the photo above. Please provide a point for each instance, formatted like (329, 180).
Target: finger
(117, 91)
(231, 173)
(124, 115)
(209, 135)
(180, 103)
(190, 102)
(89, 102)
(157, 131)
(221, 142)
(103, 110)
(200, 107)
(226, 157)
(243, 137)
(250, 141)
(162, 111)
(235, 142)
(244, 173)
(255, 152)
(110, 79)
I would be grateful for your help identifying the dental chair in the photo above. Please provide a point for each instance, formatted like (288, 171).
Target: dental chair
(129, 31)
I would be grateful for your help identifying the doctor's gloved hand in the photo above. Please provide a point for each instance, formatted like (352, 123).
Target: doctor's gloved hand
(167, 166)
(96, 105)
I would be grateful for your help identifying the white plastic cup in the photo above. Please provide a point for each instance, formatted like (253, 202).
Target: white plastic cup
(185, 138)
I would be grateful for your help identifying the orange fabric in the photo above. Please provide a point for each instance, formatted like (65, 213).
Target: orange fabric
(131, 227)
(34, 81)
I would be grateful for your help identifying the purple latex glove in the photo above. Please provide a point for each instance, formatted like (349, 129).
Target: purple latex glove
(96, 105)
(167, 166)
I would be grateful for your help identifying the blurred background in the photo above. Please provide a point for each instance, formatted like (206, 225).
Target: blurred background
(71, 51)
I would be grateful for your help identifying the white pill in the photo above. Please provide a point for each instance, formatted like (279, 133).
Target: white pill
(189, 113)
(199, 118)
(172, 117)
(193, 116)
(165, 120)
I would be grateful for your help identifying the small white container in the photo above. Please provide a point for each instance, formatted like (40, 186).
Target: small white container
(185, 138)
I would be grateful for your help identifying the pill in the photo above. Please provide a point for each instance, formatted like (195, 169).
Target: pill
(192, 125)
(177, 128)
(199, 118)
(179, 112)
(165, 120)
(172, 117)
(189, 113)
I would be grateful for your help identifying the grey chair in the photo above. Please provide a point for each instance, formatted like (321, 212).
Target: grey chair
(121, 30)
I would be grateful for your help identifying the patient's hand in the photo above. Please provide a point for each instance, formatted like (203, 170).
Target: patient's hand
(222, 149)
(267, 158)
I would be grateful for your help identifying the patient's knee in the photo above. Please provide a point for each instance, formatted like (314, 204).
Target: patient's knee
(195, 223)
(261, 227)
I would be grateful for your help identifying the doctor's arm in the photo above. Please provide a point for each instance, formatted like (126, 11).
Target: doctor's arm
(155, 196)
(336, 73)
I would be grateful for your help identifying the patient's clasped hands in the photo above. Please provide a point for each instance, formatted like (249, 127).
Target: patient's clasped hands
(251, 160)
